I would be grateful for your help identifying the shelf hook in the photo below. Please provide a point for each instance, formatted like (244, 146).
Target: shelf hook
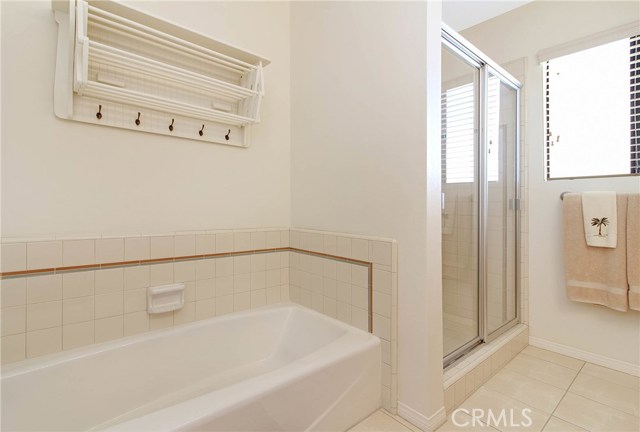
(138, 120)
(201, 131)
(227, 135)
(99, 113)
(171, 125)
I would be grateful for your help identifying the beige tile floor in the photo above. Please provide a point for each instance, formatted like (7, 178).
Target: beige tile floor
(562, 393)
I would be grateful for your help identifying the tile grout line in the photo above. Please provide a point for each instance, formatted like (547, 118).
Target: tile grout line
(553, 363)
(593, 400)
(515, 398)
(601, 378)
(523, 402)
(603, 404)
(562, 398)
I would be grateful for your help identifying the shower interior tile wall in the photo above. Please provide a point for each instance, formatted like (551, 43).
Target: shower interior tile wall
(460, 266)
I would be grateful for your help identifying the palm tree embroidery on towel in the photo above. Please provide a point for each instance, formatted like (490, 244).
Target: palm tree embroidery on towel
(599, 223)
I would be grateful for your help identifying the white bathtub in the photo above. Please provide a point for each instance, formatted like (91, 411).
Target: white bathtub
(273, 369)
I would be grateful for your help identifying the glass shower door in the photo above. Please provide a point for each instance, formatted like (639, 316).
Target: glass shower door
(479, 197)
(460, 189)
(502, 203)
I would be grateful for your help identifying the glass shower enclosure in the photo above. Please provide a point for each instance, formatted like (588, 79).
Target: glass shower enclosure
(480, 197)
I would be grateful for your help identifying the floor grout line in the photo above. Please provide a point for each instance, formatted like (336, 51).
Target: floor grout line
(521, 401)
(593, 400)
(551, 361)
(601, 378)
(540, 381)
(526, 376)
(562, 398)
(554, 363)
(566, 421)
(602, 403)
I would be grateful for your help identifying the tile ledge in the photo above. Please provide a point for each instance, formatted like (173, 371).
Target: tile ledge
(126, 234)
(344, 234)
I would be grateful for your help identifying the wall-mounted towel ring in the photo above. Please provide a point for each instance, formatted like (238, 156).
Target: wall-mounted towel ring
(138, 120)
(171, 125)
(563, 194)
(99, 113)
(227, 135)
(201, 131)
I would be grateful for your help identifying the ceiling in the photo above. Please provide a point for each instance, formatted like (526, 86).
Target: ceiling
(462, 14)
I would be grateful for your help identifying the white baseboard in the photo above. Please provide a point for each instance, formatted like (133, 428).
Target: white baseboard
(423, 422)
(590, 357)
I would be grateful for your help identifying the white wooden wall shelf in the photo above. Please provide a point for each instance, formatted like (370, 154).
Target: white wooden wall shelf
(119, 67)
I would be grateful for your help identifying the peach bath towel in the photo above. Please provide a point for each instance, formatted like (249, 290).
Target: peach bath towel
(633, 250)
(595, 274)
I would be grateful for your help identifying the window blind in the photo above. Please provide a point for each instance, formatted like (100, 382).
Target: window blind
(458, 139)
(458, 134)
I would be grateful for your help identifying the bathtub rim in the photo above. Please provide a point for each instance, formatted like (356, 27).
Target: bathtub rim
(12, 370)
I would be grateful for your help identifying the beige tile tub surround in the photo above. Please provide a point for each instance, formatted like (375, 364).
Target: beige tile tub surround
(14, 257)
(110, 250)
(43, 255)
(336, 281)
(59, 293)
(78, 252)
(136, 248)
(50, 255)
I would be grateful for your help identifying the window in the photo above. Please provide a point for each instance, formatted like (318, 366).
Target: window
(593, 111)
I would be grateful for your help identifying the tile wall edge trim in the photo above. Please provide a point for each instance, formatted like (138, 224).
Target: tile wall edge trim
(100, 266)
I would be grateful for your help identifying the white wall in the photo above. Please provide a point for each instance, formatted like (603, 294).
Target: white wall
(62, 177)
(523, 33)
(359, 154)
